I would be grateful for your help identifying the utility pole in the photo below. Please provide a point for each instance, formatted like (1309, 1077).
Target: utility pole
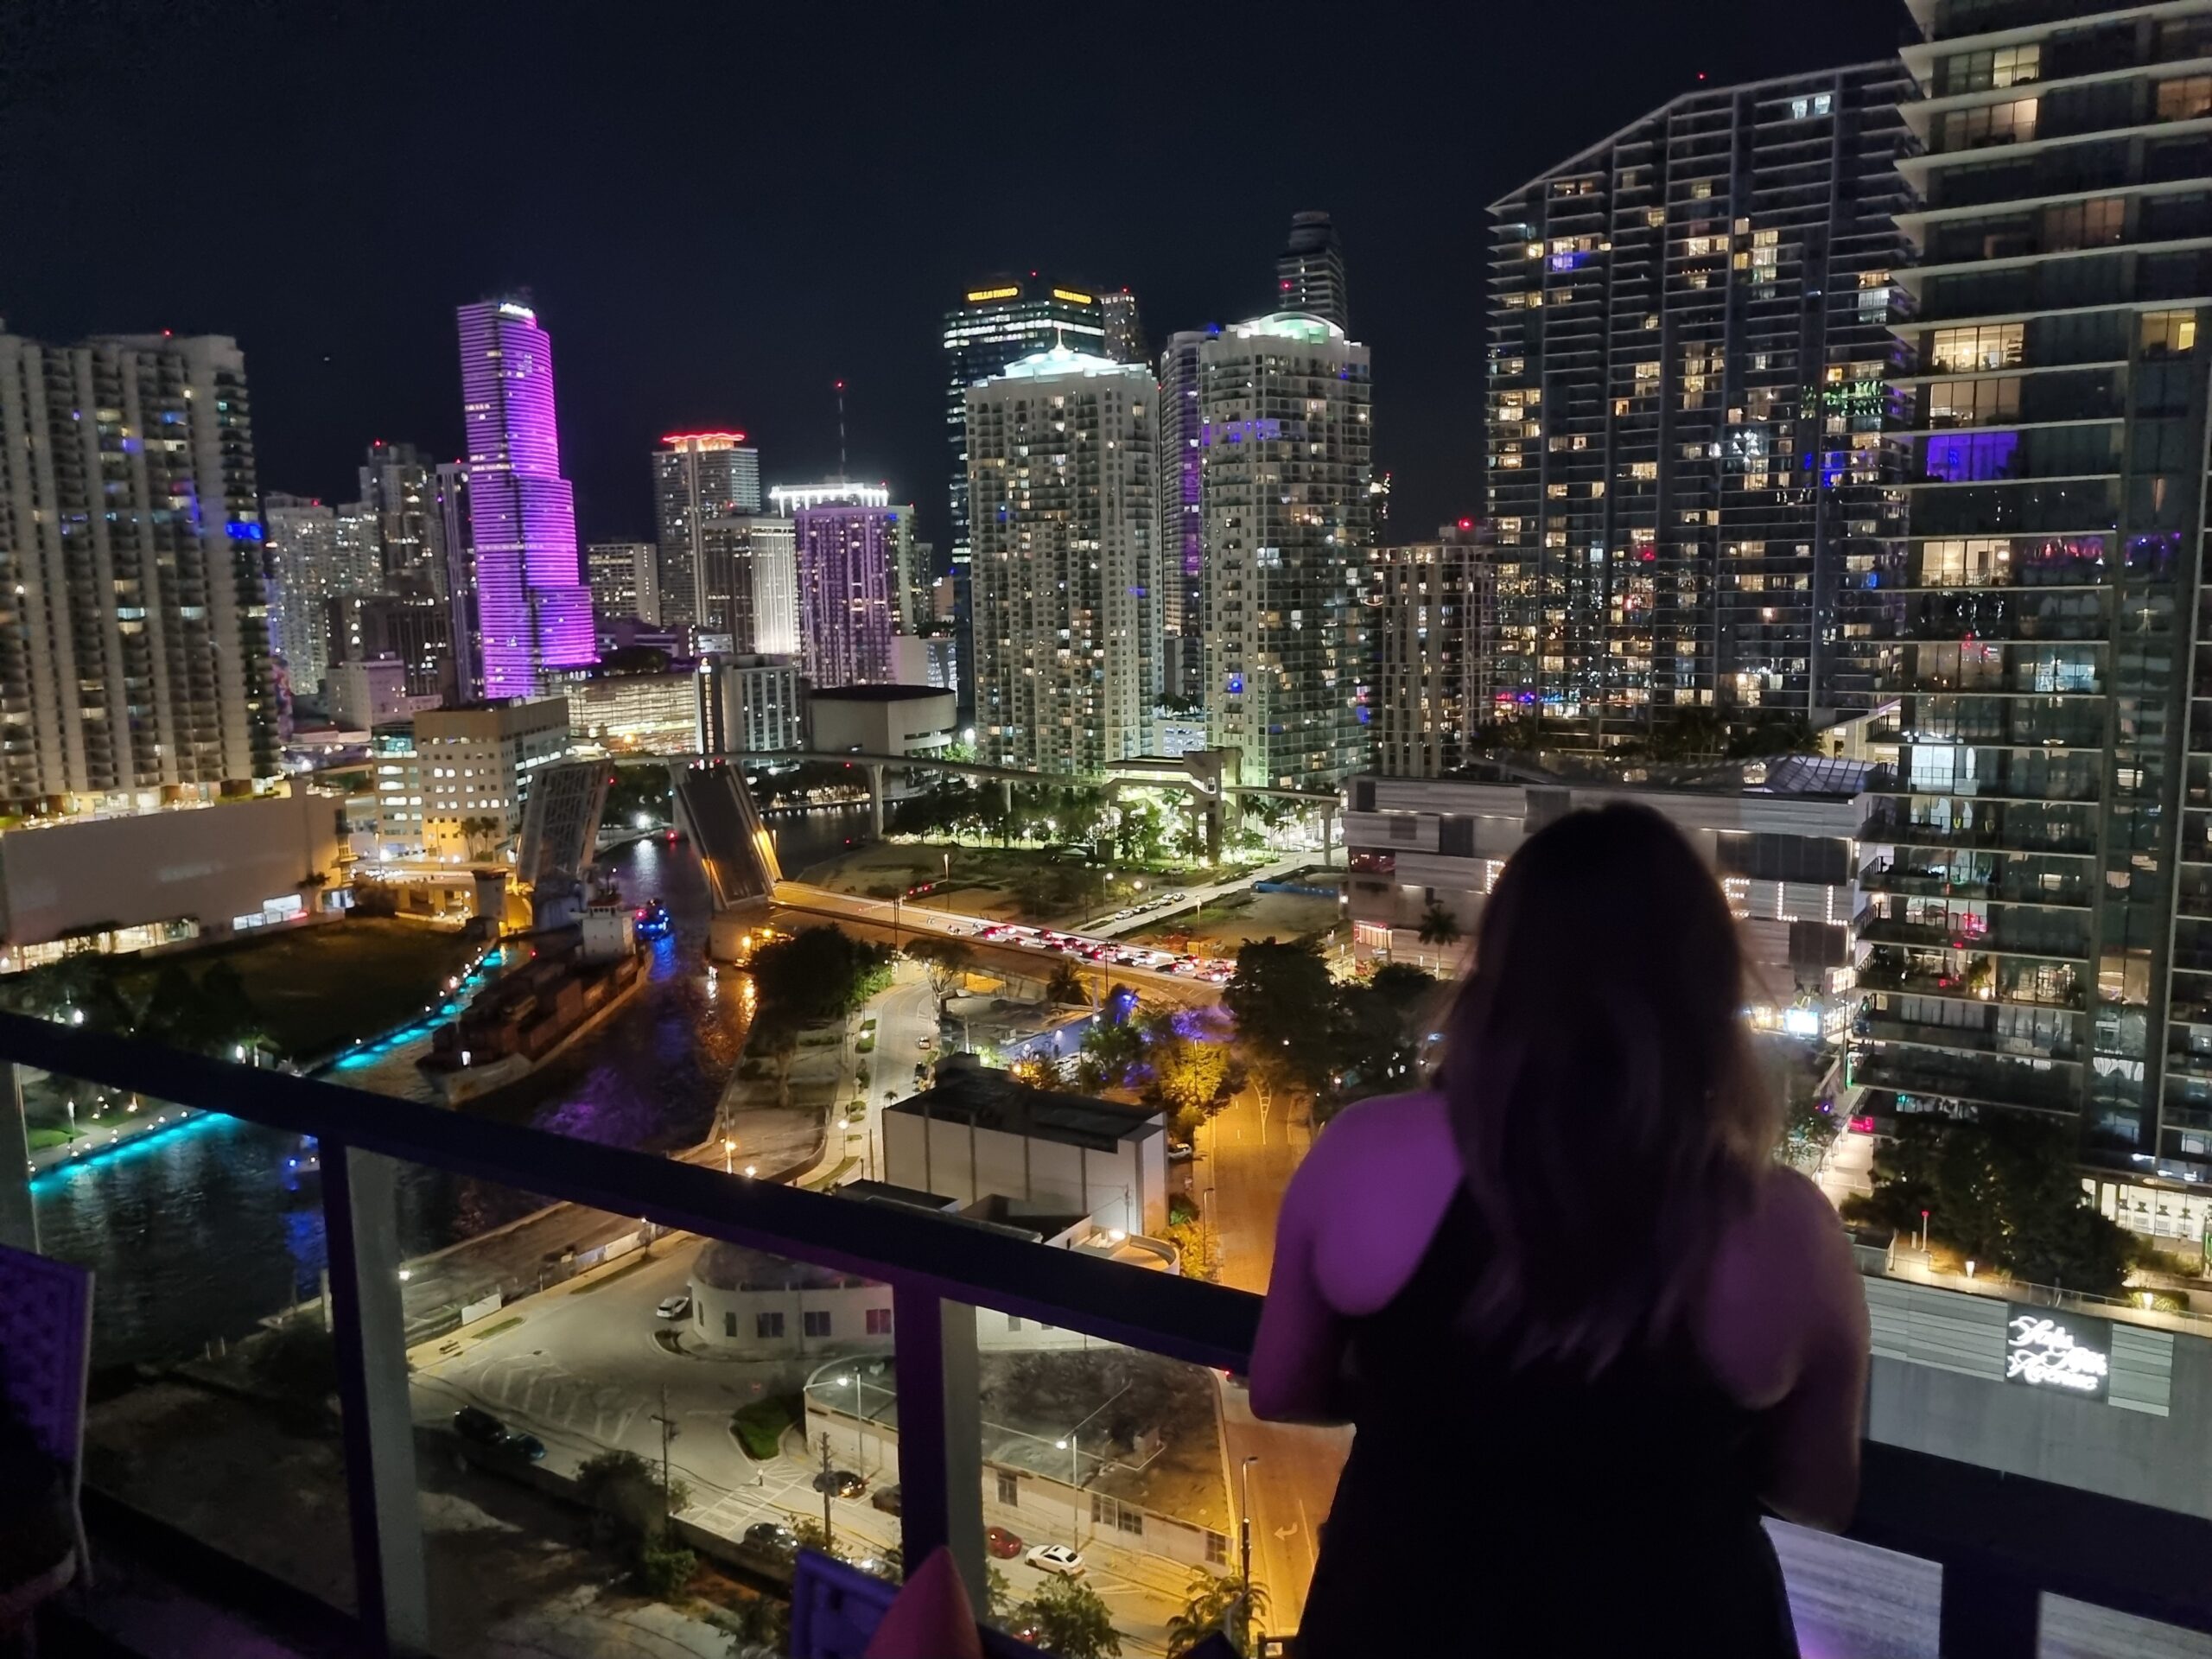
(668, 1431)
(1244, 1542)
(827, 1537)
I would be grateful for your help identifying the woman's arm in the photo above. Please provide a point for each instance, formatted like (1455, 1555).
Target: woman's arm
(1787, 1332)
(1298, 1357)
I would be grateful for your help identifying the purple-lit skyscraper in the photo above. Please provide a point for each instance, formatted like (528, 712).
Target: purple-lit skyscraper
(533, 609)
(845, 608)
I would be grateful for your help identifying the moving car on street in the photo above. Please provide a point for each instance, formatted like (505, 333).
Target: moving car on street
(839, 1483)
(480, 1428)
(1001, 1543)
(771, 1540)
(1056, 1559)
(674, 1307)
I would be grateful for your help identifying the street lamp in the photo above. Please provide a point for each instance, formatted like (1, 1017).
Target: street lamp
(729, 1153)
(1075, 1467)
(748, 1172)
(1245, 1529)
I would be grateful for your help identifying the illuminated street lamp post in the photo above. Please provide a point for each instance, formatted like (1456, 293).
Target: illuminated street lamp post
(729, 1155)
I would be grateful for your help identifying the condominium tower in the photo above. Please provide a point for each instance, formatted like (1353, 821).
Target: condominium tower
(2041, 878)
(1434, 617)
(1065, 568)
(621, 574)
(1181, 536)
(134, 650)
(300, 550)
(1283, 409)
(844, 555)
(697, 476)
(1692, 457)
(532, 608)
(749, 563)
(401, 491)
(997, 323)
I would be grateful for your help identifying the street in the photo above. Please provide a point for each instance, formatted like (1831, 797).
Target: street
(583, 1368)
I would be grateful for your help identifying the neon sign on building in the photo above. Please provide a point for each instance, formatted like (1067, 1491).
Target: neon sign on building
(2041, 1353)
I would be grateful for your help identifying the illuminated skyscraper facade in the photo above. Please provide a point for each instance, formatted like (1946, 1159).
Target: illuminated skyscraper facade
(1181, 536)
(533, 610)
(401, 491)
(134, 647)
(1060, 460)
(845, 604)
(1692, 456)
(750, 563)
(1432, 610)
(698, 477)
(1283, 438)
(997, 323)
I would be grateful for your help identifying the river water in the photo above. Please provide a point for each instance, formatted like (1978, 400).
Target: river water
(198, 1232)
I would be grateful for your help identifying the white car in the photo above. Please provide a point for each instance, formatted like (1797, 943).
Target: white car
(674, 1307)
(1056, 1558)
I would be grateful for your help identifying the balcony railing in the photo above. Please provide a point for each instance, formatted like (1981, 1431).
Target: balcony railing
(2002, 1541)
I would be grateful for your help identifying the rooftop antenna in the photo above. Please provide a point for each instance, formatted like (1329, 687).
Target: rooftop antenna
(840, 431)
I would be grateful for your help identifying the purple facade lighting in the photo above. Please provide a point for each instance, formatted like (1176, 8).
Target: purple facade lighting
(844, 593)
(533, 609)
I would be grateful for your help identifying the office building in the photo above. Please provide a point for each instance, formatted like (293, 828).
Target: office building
(1310, 270)
(475, 764)
(698, 477)
(370, 692)
(750, 566)
(620, 574)
(1693, 459)
(1778, 837)
(401, 491)
(1434, 624)
(789, 499)
(844, 592)
(998, 322)
(533, 611)
(1064, 566)
(301, 540)
(360, 548)
(1117, 313)
(1283, 405)
(749, 705)
(2040, 872)
(134, 657)
(1181, 537)
(653, 713)
(414, 629)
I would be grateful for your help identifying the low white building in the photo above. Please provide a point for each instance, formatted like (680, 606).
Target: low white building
(372, 692)
(980, 1133)
(475, 764)
(879, 719)
(1781, 842)
(159, 878)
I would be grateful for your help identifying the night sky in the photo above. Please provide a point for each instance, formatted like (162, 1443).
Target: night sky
(721, 209)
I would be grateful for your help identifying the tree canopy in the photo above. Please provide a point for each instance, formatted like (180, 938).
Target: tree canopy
(819, 973)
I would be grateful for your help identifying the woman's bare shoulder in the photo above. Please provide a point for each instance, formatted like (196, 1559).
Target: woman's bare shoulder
(1368, 1197)
(1374, 1137)
(1783, 1283)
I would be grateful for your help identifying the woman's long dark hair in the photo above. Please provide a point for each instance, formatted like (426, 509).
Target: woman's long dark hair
(1601, 1089)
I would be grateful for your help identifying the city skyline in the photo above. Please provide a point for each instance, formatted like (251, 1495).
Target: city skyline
(645, 352)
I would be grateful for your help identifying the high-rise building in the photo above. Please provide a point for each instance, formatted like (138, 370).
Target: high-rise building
(302, 541)
(788, 499)
(1181, 537)
(403, 493)
(414, 629)
(1065, 565)
(533, 610)
(360, 548)
(844, 593)
(1283, 408)
(1124, 329)
(134, 654)
(750, 563)
(697, 476)
(467, 631)
(1434, 616)
(2041, 879)
(617, 572)
(1691, 456)
(1310, 270)
(998, 322)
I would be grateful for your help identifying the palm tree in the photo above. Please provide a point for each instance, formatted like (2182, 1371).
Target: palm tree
(1439, 927)
(1226, 1604)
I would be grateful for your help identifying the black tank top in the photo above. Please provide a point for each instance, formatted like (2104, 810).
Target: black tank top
(1490, 1509)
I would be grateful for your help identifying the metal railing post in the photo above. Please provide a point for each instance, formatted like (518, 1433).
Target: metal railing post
(18, 1218)
(360, 1219)
(940, 1434)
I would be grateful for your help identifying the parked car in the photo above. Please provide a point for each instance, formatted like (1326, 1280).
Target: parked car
(886, 1499)
(928, 1041)
(771, 1540)
(1056, 1559)
(839, 1483)
(480, 1428)
(674, 1307)
(1001, 1543)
